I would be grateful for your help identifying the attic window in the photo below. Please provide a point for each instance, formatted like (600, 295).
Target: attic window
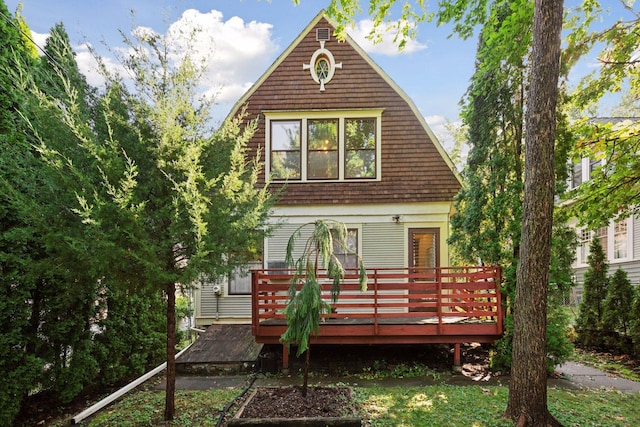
(323, 34)
(323, 145)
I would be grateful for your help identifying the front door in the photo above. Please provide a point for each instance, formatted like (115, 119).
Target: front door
(423, 254)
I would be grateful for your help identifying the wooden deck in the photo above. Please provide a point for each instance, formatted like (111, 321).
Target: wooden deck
(451, 305)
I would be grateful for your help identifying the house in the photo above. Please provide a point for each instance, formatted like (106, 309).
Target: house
(341, 140)
(620, 239)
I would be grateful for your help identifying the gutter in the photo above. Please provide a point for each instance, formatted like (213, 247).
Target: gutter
(107, 400)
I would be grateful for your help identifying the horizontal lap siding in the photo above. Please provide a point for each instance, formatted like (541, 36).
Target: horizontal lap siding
(383, 245)
(230, 306)
(412, 168)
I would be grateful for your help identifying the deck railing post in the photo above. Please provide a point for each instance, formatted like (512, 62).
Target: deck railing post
(375, 302)
(255, 321)
(439, 296)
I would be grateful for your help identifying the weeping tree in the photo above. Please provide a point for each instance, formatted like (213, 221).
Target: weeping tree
(306, 305)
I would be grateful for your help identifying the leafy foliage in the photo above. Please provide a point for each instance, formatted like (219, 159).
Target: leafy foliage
(614, 186)
(118, 196)
(487, 225)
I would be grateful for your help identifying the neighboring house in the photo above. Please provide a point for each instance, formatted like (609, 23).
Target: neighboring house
(342, 141)
(620, 239)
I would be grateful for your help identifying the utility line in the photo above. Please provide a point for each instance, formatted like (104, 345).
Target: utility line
(28, 36)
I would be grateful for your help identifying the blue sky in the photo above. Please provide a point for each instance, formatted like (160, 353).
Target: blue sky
(244, 37)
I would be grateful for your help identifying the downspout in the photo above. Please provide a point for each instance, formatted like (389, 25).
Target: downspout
(217, 289)
(107, 400)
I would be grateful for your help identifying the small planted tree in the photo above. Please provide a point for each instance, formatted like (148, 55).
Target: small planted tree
(306, 305)
(635, 322)
(589, 321)
(616, 318)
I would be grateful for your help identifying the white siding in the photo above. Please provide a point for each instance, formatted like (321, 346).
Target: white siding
(277, 244)
(383, 245)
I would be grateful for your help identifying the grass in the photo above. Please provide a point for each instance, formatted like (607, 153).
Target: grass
(476, 406)
(439, 405)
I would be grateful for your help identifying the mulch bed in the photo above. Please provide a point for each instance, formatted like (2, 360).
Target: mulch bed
(288, 402)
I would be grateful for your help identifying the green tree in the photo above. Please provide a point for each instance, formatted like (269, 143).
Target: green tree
(166, 199)
(489, 206)
(594, 292)
(20, 368)
(306, 306)
(634, 330)
(528, 388)
(132, 334)
(616, 315)
(614, 188)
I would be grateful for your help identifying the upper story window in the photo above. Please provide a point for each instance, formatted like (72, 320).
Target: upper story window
(615, 240)
(322, 153)
(576, 174)
(323, 145)
(620, 240)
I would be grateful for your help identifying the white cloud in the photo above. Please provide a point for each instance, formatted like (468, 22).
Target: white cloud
(89, 67)
(39, 39)
(438, 125)
(386, 46)
(236, 52)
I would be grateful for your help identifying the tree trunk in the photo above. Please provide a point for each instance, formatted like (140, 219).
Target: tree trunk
(305, 380)
(169, 405)
(528, 389)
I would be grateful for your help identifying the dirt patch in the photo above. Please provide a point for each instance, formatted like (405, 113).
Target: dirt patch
(349, 360)
(288, 402)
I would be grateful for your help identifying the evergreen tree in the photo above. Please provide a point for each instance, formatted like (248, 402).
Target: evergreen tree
(616, 315)
(634, 330)
(20, 369)
(164, 200)
(594, 292)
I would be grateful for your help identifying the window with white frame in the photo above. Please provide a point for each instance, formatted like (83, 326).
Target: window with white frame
(583, 245)
(620, 238)
(323, 145)
(602, 234)
(613, 238)
(576, 174)
(348, 258)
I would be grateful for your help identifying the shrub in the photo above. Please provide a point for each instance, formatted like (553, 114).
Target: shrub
(634, 330)
(616, 314)
(596, 282)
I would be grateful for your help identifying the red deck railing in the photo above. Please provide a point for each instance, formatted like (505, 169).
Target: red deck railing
(408, 305)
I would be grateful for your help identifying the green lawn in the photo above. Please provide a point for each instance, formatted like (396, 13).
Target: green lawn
(441, 405)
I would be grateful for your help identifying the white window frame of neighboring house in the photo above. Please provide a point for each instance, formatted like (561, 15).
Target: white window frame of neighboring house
(584, 241)
(582, 170)
(616, 235)
(341, 116)
(621, 239)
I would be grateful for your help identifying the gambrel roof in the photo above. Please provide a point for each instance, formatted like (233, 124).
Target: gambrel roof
(414, 166)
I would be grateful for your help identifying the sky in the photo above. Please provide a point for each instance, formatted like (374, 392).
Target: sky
(242, 38)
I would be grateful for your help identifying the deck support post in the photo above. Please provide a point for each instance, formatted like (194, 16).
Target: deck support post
(285, 359)
(457, 366)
